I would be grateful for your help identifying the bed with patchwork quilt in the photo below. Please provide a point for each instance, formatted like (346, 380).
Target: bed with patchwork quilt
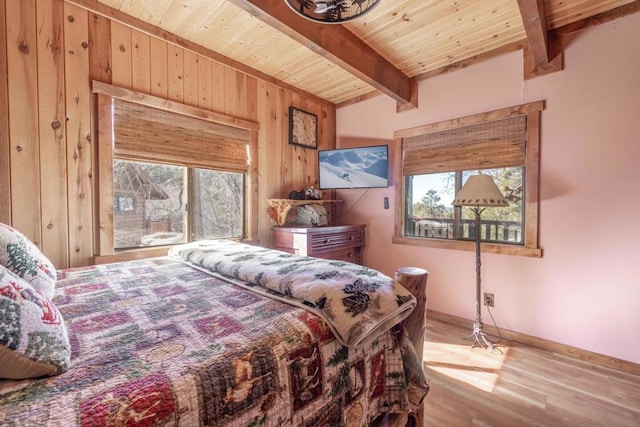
(214, 334)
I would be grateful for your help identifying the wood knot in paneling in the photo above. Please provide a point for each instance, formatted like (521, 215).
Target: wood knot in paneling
(23, 47)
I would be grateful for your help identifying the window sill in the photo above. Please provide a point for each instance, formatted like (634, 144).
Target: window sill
(146, 252)
(132, 254)
(460, 245)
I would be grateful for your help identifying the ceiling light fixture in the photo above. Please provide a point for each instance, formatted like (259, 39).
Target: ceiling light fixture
(331, 11)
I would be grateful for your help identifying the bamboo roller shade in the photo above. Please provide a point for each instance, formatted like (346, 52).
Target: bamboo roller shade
(148, 134)
(488, 145)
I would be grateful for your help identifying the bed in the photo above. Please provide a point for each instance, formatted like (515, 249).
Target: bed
(222, 333)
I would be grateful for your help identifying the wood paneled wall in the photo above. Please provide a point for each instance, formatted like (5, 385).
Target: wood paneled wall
(50, 51)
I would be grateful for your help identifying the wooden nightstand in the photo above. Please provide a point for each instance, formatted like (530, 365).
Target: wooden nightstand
(343, 242)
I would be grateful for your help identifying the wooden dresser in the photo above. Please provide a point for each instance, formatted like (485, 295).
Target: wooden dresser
(342, 242)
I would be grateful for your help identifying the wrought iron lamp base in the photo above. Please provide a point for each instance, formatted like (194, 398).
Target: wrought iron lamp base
(480, 339)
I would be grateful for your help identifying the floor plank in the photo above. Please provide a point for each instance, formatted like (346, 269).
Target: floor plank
(520, 385)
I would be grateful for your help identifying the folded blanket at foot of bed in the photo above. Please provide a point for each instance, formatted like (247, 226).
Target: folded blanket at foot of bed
(358, 303)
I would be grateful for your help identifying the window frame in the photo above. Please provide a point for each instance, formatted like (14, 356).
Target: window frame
(530, 246)
(104, 229)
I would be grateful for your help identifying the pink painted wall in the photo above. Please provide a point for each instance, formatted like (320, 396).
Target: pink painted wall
(585, 290)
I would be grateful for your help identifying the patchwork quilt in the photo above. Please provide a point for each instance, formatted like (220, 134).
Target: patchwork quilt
(158, 342)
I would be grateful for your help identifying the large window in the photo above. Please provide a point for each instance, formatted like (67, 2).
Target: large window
(168, 204)
(430, 214)
(434, 161)
(171, 173)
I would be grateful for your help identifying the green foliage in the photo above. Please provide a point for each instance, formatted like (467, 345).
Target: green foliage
(509, 180)
(430, 206)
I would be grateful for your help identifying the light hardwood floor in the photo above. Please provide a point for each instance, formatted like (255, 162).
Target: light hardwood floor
(521, 386)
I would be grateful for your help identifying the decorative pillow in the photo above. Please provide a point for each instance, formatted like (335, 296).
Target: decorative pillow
(33, 336)
(20, 255)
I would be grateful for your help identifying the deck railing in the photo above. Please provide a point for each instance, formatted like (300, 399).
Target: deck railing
(491, 230)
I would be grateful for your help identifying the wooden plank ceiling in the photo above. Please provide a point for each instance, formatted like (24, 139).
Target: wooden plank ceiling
(385, 51)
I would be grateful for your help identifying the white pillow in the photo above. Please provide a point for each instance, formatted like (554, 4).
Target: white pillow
(33, 335)
(21, 256)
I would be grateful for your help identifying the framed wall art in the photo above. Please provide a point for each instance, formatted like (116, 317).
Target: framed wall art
(303, 128)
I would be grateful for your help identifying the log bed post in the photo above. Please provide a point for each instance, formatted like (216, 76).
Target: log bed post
(415, 281)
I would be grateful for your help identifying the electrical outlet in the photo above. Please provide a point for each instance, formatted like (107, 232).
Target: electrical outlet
(489, 299)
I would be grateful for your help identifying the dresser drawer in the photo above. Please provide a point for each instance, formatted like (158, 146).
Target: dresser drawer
(347, 254)
(326, 241)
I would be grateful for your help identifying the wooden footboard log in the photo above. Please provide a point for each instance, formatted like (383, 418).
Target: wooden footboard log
(415, 281)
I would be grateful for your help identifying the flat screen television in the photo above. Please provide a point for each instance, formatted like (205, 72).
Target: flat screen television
(358, 167)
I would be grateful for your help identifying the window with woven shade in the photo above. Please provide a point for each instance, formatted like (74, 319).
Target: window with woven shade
(145, 133)
(171, 173)
(434, 161)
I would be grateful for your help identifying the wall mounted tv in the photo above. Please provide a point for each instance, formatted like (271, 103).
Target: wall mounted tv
(358, 167)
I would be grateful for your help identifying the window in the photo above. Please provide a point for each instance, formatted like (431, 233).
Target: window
(123, 203)
(429, 212)
(177, 204)
(217, 204)
(171, 173)
(434, 161)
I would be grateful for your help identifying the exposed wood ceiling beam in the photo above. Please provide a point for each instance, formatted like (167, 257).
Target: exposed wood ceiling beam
(338, 45)
(554, 35)
(534, 19)
(538, 56)
(476, 59)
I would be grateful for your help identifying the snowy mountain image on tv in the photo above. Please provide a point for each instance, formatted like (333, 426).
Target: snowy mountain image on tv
(361, 167)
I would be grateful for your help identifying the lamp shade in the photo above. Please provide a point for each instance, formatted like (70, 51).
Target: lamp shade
(331, 11)
(480, 190)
